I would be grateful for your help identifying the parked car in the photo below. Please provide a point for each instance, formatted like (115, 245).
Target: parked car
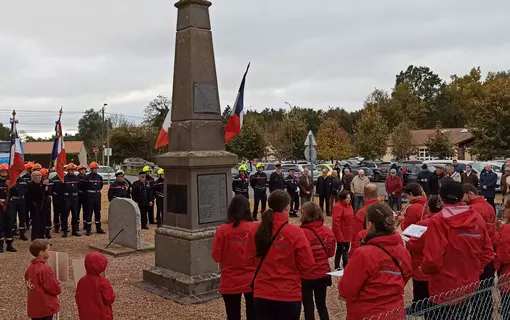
(137, 163)
(413, 169)
(326, 166)
(380, 169)
(368, 172)
(496, 167)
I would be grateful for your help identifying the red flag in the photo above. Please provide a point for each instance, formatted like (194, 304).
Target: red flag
(163, 133)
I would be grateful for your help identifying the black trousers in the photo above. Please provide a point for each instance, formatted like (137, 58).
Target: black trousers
(483, 300)
(82, 206)
(277, 310)
(159, 210)
(233, 306)
(18, 208)
(315, 288)
(145, 211)
(294, 202)
(6, 221)
(39, 221)
(342, 253)
(420, 297)
(58, 208)
(259, 197)
(491, 202)
(93, 206)
(71, 206)
(322, 199)
(151, 214)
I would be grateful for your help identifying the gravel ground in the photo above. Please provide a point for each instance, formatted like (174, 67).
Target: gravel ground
(131, 302)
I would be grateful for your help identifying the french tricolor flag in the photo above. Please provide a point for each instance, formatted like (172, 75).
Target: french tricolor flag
(235, 122)
(16, 163)
(163, 132)
(58, 155)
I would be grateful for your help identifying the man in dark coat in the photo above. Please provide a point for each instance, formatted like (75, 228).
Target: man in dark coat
(276, 180)
(469, 176)
(292, 184)
(488, 182)
(324, 191)
(143, 195)
(424, 177)
(435, 178)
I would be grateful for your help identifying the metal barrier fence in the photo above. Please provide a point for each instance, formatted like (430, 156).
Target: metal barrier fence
(485, 300)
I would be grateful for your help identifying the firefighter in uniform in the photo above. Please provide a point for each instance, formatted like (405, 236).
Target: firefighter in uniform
(27, 177)
(147, 170)
(18, 208)
(241, 181)
(258, 182)
(38, 199)
(58, 199)
(142, 194)
(292, 184)
(46, 205)
(82, 196)
(120, 188)
(159, 189)
(276, 180)
(93, 185)
(5, 216)
(71, 201)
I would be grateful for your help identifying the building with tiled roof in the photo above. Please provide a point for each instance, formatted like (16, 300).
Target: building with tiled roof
(40, 152)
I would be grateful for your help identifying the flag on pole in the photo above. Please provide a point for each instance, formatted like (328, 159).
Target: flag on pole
(163, 133)
(235, 122)
(58, 155)
(16, 163)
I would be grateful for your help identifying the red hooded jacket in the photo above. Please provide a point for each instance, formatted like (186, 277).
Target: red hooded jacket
(415, 212)
(358, 223)
(228, 250)
(362, 235)
(279, 277)
(416, 247)
(457, 248)
(502, 262)
(372, 283)
(394, 184)
(343, 216)
(94, 294)
(321, 256)
(488, 214)
(43, 290)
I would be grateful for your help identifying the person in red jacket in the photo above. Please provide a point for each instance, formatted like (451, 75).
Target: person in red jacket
(371, 197)
(343, 214)
(94, 293)
(502, 262)
(480, 205)
(417, 208)
(228, 250)
(314, 281)
(42, 286)
(281, 253)
(394, 185)
(415, 247)
(374, 280)
(457, 248)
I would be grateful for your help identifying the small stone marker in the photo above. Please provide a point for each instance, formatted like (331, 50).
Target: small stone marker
(123, 214)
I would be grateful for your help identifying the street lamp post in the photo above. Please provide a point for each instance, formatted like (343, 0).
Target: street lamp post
(290, 128)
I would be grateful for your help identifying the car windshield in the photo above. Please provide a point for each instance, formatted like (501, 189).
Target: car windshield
(309, 167)
(269, 166)
(478, 167)
(105, 170)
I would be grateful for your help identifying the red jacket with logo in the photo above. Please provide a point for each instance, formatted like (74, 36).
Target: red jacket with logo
(488, 214)
(457, 248)
(43, 290)
(229, 246)
(502, 261)
(415, 212)
(394, 184)
(94, 293)
(279, 277)
(372, 283)
(362, 235)
(416, 247)
(321, 256)
(343, 216)
(358, 223)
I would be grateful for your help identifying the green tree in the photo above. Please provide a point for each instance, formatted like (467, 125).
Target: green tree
(89, 130)
(371, 134)
(490, 125)
(129, 140)
(156, 111)
(5, 132)
(402, 141)
(440, 145)
(292, 132)
(333, 142)
(250, 143)
(225, 115)
(404, 105)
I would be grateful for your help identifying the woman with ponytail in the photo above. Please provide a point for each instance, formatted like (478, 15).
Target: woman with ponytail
(228, 250)
(280, 252)
(374, 280)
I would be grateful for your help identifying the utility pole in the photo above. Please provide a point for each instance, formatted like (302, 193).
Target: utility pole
(102, 134)
(290, 129)
(108, 147)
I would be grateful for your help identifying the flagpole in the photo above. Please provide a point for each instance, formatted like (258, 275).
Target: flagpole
(11, 156)
(56, 135)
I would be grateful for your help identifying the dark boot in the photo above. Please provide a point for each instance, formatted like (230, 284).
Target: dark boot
(1, 246)
(75, 232)
(22, 235)
(160, 224)
(99, 230)
(66, 233)
(255, 217)
(145, 227)
(47, 234)
(57, 228)
(15, 232)
(88, 233)
(10, 248)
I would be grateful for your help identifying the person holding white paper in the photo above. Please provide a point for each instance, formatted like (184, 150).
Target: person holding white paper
(374, 280)
(417, 208)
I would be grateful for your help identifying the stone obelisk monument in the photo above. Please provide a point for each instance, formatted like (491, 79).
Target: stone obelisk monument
(197, 168)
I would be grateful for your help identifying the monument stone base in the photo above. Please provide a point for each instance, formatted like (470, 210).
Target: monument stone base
(116, 250)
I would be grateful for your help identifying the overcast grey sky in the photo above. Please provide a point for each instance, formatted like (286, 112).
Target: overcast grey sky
(320, 53)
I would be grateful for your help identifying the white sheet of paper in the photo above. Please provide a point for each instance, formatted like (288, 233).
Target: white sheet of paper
(414, 230)
(404, 238)
(59, 263)
(339, 273)
(78, 269)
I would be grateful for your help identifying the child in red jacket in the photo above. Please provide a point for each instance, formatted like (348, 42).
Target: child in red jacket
(43, 288)
(94, 293)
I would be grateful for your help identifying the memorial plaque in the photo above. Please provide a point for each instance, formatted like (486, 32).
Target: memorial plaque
(205, 98)
(212, 197)
(177, 199)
